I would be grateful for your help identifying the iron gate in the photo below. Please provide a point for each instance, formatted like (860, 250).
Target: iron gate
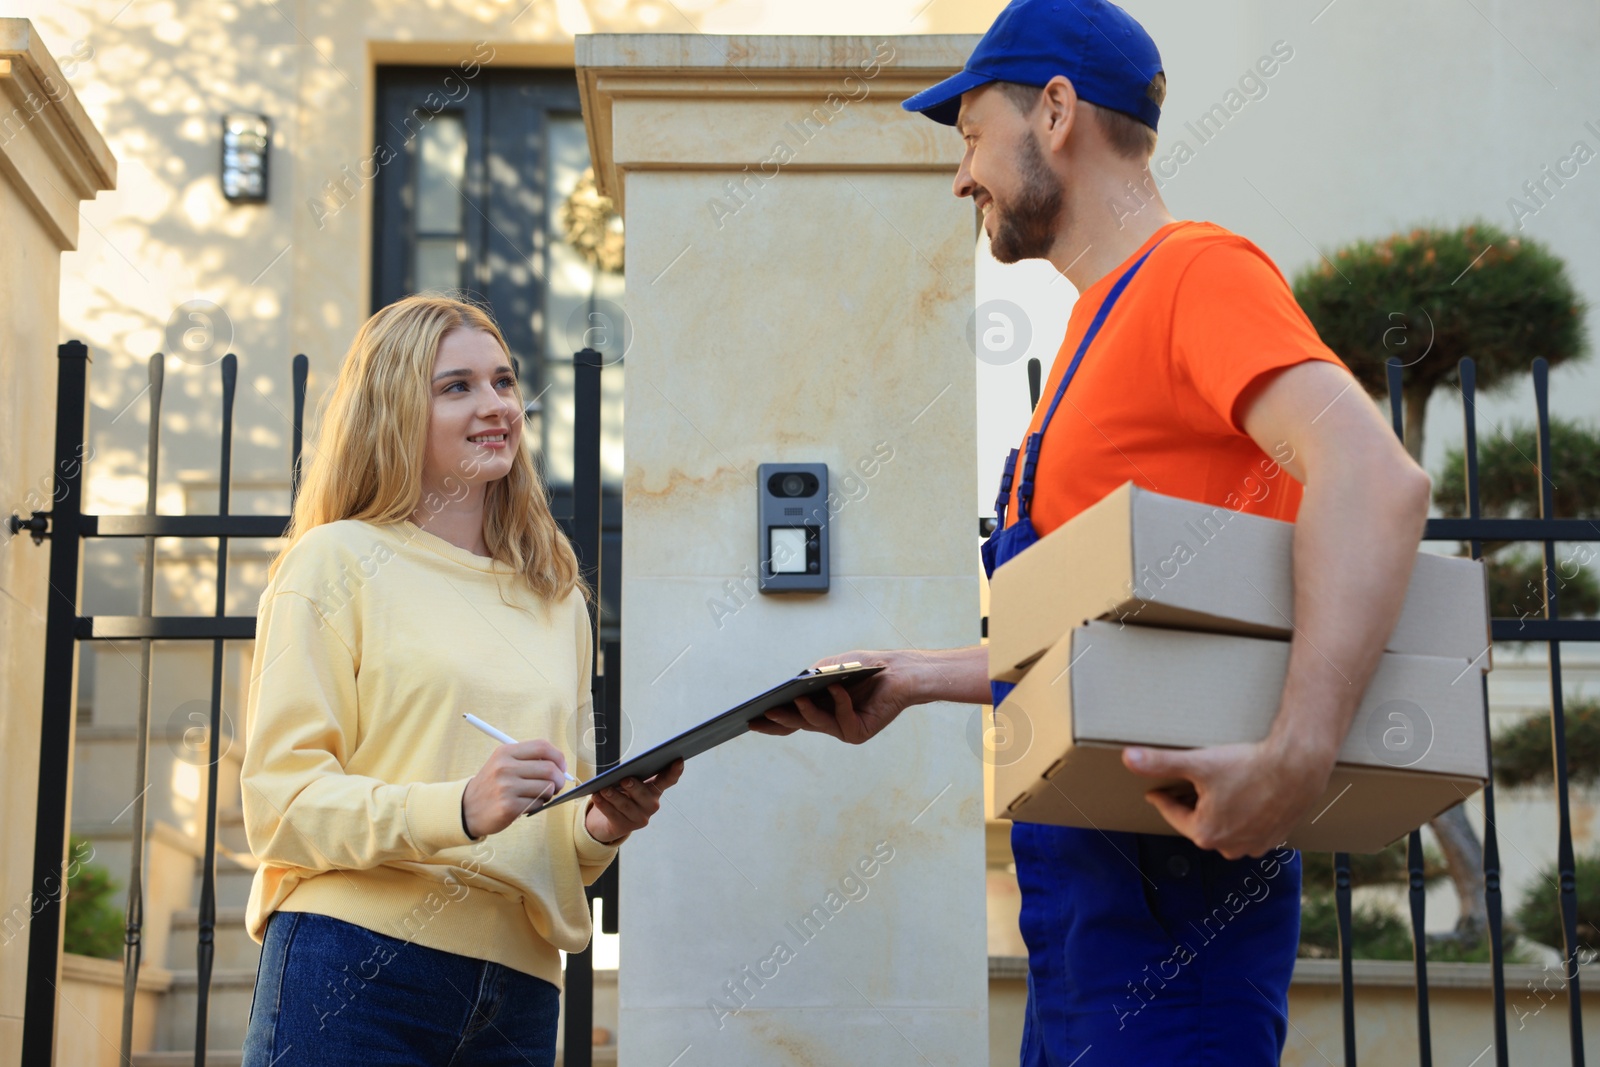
(1551, 630)
(66, 527)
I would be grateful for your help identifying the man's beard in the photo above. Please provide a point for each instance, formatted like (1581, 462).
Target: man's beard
(1027, 228)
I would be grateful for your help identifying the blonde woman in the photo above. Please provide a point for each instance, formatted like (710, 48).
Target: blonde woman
(408, 913)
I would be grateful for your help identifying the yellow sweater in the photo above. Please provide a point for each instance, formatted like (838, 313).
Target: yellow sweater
(371, 641)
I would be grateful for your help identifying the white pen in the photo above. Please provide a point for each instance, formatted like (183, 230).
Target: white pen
(503, 737)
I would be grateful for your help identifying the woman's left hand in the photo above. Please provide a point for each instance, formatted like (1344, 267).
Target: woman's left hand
(616, 812)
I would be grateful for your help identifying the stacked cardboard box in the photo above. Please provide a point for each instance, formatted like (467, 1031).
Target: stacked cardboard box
(1156, 621)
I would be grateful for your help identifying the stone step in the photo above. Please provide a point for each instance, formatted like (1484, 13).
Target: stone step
(234, 947)
(176, 777)
(214, 1058)
(235, 871)
(229, 1016)
(230, 830)
(227, 1008)
(604, 1056)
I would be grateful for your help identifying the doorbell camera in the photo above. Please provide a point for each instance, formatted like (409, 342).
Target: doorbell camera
(792, 524)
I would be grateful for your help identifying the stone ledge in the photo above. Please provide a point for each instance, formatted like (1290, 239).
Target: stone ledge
(1370, 973)
(188, 981)
(1008, 968)
(767, 53)
(96, 971)
(1440, 975)
(58, 146)
(731, 84)
(227, 915)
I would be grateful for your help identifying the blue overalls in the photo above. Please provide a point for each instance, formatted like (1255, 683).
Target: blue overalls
(1143, 948)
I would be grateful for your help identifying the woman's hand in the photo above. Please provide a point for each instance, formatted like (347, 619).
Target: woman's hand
(515, 780)
(616, 812)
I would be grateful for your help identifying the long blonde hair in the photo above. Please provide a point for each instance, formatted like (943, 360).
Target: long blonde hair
(368, 460)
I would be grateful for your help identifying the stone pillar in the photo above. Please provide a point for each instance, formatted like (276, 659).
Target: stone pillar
(51, 158)
(799, 279)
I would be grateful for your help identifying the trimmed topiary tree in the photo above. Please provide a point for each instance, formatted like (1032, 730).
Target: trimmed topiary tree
(1432, 296)
(1429, 298)
(1376, 933)
(1508, 476)
(1509, 487)
(1523, 754)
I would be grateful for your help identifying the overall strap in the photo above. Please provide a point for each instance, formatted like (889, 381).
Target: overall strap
(1004, 499)
(1030, 458)
(1090, 334)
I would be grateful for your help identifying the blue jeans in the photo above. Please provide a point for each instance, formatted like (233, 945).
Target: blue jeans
(329, 992)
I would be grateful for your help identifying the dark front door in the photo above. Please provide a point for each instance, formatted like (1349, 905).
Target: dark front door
(478, 168)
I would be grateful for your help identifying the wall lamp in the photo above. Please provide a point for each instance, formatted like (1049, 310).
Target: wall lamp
(245, 137)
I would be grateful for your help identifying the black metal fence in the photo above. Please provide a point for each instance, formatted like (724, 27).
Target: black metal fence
(66, 527)
(1551, 630)
(1548, 629)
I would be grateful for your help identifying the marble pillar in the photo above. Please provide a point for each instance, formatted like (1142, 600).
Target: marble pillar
(799, 280)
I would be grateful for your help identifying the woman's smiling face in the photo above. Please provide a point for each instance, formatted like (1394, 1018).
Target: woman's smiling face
(474, 414)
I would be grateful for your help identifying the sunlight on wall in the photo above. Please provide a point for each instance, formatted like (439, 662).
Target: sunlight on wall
(187, 796)
(843, 16)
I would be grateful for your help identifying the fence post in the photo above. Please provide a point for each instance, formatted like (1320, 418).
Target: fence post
(57, 716)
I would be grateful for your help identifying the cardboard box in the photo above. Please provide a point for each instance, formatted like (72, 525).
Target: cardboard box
(1418, 745)
(1138, 556)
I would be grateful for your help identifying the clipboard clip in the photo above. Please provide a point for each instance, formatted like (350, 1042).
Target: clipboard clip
(830, 668)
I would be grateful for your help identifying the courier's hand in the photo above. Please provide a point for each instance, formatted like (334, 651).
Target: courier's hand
(515, 780)
(859, 711)
(1246, 799)
(616, 812)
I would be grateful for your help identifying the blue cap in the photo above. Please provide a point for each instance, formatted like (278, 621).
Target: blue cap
(1096, 45)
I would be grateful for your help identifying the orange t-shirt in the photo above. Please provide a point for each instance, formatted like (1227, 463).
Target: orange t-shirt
(1153, 399)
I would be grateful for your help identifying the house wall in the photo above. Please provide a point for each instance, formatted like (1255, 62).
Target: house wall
(1385, 117)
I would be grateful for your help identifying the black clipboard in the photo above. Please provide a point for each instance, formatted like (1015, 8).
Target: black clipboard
(719, 728)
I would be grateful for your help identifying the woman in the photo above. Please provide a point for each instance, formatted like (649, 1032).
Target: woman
(408, 914)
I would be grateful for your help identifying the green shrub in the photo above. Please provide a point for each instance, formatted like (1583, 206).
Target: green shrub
(1376, 933)
(1539, 914)
(1448, 950)
(1380, 868)
(94, 922)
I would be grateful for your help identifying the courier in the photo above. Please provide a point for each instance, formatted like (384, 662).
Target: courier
(1188, 370)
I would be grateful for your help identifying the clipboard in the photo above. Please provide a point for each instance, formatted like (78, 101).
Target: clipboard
(717, 729)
